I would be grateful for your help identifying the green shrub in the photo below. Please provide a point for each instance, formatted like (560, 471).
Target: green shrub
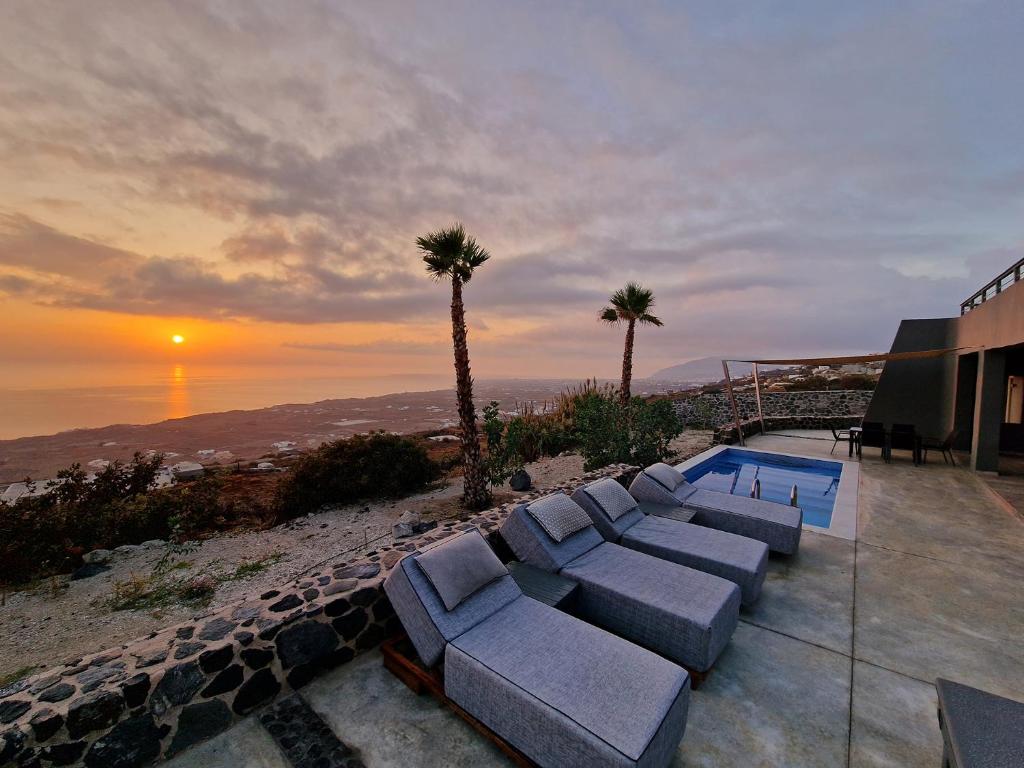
(608, 433)
(32, 542)
(494, 426)
(48, 533)
(522, 439)
(599, 426)
(180, 512)
(380, 465)
(653, 424)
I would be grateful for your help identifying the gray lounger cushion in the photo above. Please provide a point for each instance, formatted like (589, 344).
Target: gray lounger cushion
(566, 693)
(532, 545)
(558, 516)
(655, 487)
(614, 500)
(777, 525)
(461, 567)
(738, 559)
(979, 728)
(670, 477)
(429, 624)
(681, 613)
(594, 496)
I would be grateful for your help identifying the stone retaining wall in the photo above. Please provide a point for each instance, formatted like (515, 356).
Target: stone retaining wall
(713, 409)
(726, 433)
(157, 696)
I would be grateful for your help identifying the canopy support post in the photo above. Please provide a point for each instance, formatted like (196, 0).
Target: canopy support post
(757, 392)
(732, 399)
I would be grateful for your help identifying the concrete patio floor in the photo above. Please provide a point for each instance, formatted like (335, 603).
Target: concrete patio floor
(834, 666)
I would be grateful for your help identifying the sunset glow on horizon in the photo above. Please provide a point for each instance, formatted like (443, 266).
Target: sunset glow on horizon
(164, 178)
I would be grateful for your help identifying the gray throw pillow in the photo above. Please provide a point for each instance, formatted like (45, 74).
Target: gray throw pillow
(559, 516)
(611, 497)
(668, 476)
(460, 566)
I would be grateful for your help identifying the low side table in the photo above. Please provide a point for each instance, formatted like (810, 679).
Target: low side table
(549, 588)
(671, 511)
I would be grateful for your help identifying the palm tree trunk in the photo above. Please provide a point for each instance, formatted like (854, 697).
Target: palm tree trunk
(627, 364)
(476, 493)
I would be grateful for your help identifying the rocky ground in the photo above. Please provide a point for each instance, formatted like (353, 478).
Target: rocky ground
(59, 618)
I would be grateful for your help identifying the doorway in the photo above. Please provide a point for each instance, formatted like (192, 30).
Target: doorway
(1014, 400)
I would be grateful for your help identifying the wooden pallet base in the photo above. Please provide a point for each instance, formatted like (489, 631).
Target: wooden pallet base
(697, 679)
(401, 660)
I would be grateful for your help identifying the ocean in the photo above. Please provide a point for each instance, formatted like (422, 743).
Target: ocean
(43, 401)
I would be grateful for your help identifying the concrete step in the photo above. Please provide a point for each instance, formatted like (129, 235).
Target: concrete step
(304, 738)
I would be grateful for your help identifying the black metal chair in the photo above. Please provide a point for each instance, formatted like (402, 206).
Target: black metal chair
(873, 435)
(904, 437)
(945, 446)
(840, 436)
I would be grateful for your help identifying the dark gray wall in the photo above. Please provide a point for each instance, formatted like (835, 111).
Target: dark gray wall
(936, 394)
(966, 386)
(989, 409)
(918, 392)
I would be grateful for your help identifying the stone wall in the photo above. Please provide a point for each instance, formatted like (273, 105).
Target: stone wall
(157, 696)
(713, 409)
(726, 433)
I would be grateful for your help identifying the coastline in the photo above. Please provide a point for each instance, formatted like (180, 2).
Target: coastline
(246, 435)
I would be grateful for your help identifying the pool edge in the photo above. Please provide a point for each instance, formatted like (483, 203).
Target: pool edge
(844, 511)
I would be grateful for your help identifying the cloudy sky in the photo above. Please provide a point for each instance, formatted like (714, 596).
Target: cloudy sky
(789, 177)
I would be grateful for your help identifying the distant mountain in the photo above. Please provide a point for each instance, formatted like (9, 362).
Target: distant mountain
(704, 369)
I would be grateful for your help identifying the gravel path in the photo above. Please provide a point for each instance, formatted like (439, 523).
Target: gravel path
(60, 619)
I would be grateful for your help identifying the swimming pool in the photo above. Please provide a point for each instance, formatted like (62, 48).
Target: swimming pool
(733, 470)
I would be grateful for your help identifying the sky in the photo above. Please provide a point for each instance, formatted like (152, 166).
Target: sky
(790, 178)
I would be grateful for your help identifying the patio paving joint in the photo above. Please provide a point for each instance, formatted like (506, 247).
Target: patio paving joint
(884, 668)
(910, 554)
(779, 632)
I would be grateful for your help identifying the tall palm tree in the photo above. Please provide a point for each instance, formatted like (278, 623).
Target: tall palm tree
(451, 255)
(630, 305)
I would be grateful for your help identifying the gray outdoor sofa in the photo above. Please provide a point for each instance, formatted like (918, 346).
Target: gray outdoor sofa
(617, 516)
(560, 691)
(683, 614)
(777, 525)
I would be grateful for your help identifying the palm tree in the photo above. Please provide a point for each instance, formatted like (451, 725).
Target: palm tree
(630, 305)
(450, 255)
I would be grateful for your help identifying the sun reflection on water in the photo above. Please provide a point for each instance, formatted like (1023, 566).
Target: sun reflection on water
(179, 404)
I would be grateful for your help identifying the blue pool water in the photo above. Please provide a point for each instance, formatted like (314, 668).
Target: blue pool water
(734, 469)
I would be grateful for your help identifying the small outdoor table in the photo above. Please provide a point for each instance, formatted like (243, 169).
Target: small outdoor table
(549, 588)
(671, 511)
(979, 729)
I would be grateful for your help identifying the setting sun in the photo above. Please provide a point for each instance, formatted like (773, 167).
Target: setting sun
(178, 338)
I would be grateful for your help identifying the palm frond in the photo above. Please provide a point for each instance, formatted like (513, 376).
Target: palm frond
(449, 253)
(608, 315)
(632, 302)
(472, 257)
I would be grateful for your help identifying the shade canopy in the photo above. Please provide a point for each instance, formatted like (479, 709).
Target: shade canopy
(882, 356)
(848, 359)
